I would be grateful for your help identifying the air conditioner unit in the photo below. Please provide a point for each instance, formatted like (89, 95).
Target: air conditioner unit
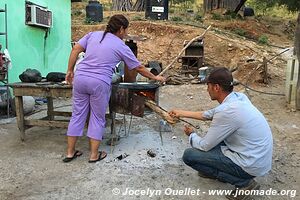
(38, 16)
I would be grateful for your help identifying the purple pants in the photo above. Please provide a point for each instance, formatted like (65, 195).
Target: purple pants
(89, 95)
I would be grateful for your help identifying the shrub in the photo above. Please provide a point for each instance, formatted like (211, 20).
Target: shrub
(137, 18)
(216, 16)
(77, 12)
(240, 31)
(171, 10)
(263, 39)
(89, 21)
(198, 18)
(176, 19)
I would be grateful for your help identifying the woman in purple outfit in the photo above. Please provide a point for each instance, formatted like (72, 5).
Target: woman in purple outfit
(92, 82)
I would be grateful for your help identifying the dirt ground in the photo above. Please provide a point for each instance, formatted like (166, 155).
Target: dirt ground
(33, 169)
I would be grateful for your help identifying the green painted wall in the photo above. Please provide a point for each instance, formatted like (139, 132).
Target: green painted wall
(28, 46)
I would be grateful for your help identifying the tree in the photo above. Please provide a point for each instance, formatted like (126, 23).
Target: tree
(140, 5)
(123, 5)
(264, 5)
(239, 6)
(292, 6)
(297, 38)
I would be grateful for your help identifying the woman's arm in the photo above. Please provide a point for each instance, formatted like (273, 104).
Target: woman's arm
(76, 50)
(144, 72)
(187, 114)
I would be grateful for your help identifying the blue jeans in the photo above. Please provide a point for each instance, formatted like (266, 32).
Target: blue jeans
(213, 163)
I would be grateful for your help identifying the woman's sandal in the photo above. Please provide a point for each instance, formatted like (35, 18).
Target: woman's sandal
(69, 159)
(102, 155)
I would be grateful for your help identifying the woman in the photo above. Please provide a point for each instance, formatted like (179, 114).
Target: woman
(92, 82)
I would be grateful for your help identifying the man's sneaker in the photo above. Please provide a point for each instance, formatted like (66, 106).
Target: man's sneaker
(205, 175)
(239, 193)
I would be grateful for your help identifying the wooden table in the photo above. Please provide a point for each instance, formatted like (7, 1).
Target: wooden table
(42, 89)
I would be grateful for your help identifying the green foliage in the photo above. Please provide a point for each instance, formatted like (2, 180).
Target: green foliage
(176, 19)
(137, 18)
(240, 31)
(106, 7)
(171, 10)
(183, 4)
(89, 21)
(183, 1)
(262, 5)
(232, 15)
(266, 6)
(263, 39)
(77, 13)
(292, 5)
(216, 16)
(198, 18)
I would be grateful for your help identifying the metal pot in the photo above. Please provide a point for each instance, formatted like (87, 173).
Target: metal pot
(129, 98)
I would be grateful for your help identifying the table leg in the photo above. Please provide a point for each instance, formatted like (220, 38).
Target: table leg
(20, 115)
(113, 131)
(113, 123)
(50, 108)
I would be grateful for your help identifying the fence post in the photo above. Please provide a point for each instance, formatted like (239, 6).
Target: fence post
(291, 86)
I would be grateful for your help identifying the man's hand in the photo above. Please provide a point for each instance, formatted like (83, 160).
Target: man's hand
(69, 77)
(175, 113)
(188, 130)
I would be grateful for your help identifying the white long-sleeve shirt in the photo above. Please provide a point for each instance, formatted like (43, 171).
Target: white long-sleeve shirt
(243, 129)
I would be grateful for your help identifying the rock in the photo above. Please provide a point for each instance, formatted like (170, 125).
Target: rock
(294, 126)
(28, 104)
(195, 81)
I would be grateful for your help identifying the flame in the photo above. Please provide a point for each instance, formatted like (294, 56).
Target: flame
(150, 95)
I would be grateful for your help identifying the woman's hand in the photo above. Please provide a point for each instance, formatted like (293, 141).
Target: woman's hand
(69, 77)
(160, 78)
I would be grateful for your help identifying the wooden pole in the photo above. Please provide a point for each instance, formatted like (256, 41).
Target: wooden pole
(165, 115)
(265, 71)
(186, 46)
(297, 48)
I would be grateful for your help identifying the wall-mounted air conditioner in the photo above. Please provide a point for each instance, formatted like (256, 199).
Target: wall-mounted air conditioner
(38, 16)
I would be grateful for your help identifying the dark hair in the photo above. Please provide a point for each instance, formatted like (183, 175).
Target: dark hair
(114, 24)
(221, 76)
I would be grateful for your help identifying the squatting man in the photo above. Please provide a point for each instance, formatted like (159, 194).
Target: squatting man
(238, 144)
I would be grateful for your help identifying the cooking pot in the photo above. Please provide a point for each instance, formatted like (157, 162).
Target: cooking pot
(129, 98)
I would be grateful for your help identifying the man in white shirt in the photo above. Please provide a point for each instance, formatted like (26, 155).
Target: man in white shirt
(238, 145)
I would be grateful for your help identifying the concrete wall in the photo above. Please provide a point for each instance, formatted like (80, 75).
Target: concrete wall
(33, 47)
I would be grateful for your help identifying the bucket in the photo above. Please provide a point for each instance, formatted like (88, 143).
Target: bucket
(5, 96)
(94, 11)
(157, 9)
(203, 72)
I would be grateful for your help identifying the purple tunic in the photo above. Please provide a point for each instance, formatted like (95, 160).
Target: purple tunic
(101, 58)
(92, 80)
